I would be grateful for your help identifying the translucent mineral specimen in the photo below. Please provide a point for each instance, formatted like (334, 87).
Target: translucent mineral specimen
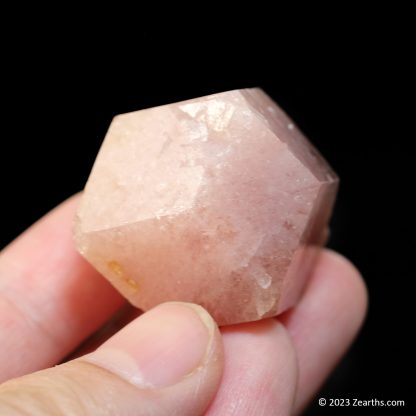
(217, 200)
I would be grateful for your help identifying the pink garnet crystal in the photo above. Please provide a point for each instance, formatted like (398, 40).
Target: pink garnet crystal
(218, 200)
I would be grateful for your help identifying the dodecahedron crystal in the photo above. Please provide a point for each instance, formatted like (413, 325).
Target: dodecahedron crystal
(218, 200)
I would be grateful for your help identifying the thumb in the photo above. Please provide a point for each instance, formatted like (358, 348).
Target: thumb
(167, 361)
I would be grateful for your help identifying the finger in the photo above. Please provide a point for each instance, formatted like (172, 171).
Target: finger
(260, 371)
(167, 361)
(321, 326)
(50, 298)
(325, 322)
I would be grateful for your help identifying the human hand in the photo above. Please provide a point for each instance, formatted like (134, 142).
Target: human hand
(171, 360)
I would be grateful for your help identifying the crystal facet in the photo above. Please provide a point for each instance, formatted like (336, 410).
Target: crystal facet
(218, 200)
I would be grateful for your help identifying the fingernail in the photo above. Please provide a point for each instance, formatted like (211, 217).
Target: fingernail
(160, 347)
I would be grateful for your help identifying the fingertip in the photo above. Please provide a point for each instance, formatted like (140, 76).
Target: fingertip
(168, 360)
(350, 282)
(162, 346)
(325, 321)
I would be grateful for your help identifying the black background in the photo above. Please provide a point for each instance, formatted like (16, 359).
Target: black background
(346, 84)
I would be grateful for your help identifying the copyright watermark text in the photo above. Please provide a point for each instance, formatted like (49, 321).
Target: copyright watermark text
(359, 403)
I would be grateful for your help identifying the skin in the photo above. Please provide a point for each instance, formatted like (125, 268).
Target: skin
(51, 300)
